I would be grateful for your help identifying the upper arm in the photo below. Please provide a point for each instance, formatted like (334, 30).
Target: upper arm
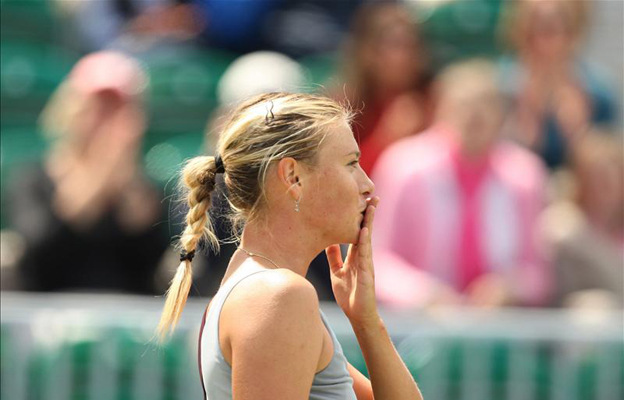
(277, 341)
(361, 384)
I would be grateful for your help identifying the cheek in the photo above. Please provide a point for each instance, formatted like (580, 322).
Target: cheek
(335, 195)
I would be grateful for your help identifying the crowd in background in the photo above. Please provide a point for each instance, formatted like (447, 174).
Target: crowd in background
(501, 179)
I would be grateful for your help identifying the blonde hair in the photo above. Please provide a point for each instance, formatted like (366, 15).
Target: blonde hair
(515, 21)
(260, 131)
(466, 73)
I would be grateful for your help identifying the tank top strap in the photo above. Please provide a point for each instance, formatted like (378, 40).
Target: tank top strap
(329, 329)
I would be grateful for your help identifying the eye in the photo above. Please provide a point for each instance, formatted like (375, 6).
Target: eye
(354, 163)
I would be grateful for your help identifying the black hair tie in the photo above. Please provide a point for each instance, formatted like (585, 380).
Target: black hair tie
(187, 256)
(220, 169)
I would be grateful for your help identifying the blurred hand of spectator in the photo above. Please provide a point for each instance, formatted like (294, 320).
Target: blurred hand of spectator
(94, 175)
(551, 92)
(490, 291)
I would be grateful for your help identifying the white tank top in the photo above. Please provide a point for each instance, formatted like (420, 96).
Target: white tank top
(332, 383)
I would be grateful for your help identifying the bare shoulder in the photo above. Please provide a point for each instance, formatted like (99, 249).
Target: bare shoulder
(275, 285)
(270, 298)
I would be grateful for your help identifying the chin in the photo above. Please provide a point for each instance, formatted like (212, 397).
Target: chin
(354, 237)
(346, 237)
(341, 234)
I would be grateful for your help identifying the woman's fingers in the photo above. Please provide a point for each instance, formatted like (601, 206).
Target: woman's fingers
(369, 217)
(364, 246)
(334, 257)
(352, 251)
(363, 239)
(372, 202)
(361, 252)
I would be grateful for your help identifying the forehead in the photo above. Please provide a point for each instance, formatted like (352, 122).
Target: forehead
(339, 141)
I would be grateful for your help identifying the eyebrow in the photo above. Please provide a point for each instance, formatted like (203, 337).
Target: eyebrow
(356, 153)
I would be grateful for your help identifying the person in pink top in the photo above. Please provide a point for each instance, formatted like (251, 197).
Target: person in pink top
(459, 205)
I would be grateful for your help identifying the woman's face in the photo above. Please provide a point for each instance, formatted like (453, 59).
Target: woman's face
(550, 35)
(391, 57)
(474, 109)
(336, 190)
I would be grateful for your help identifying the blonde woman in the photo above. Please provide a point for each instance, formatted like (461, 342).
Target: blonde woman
(290, 164)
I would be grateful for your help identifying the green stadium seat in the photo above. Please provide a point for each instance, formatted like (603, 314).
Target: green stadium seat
(461, 29)
(164, 158)
(29, 73)
(320, 70)
(27, 19)
(18, 146)
(182, 91)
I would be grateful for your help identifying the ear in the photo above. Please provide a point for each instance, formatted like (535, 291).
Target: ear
(288, 172)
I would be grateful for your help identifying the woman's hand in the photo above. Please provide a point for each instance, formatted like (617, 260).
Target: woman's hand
(353, 281)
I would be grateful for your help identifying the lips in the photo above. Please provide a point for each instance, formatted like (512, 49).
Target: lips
(363, 212)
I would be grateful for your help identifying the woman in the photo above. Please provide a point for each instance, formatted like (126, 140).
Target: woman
(385, 73)
(556, 95)
(88, 213)
(291, 167)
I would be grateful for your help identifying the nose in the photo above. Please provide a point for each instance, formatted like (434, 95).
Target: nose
(367, 186)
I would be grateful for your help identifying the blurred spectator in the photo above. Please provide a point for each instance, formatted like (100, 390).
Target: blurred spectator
(131, 25)
(556, 96)
(385, 73)
(585, 230)
(87, 213)
(459, 206)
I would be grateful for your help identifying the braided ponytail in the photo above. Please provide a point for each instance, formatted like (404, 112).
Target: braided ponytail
(199, 177)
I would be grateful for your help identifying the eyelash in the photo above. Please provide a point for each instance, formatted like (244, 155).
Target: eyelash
(354, 163)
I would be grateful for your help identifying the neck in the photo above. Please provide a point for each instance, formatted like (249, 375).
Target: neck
(283, 240)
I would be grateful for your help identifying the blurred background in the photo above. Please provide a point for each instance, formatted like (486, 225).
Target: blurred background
(492, 130)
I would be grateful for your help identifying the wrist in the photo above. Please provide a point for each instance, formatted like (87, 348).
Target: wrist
(369, 324)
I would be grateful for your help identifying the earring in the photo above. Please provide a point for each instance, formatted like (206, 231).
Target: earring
(297, 205)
